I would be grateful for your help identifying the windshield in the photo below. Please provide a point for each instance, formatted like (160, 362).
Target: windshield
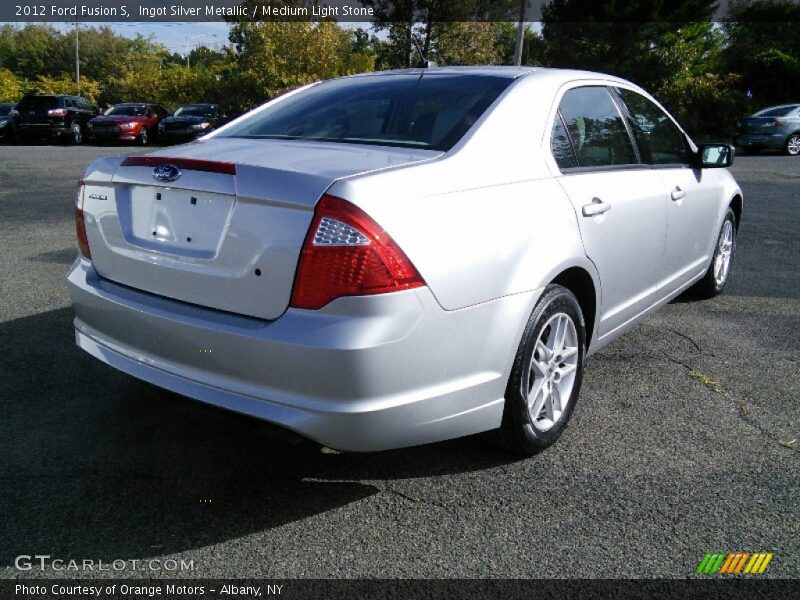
(195, 111)
(775, 112)
(432, 111)
(128, 110)
(5, 109)
(37, 103)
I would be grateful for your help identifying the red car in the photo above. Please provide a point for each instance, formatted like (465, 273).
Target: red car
(128, 122)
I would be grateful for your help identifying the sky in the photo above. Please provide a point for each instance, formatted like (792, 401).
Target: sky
(172, 35)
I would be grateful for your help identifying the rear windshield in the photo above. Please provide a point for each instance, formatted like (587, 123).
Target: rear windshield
(5, 109)
(428, 112)
(37, 103)
(127, 110)
(775, 112)
(195, 111)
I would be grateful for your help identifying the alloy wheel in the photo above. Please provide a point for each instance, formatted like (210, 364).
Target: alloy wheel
(793, 145)
(551, 373)
(722, 261)
(77, 134)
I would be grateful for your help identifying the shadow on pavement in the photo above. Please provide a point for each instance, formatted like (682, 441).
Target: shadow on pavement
(61, 257)
(96, 464)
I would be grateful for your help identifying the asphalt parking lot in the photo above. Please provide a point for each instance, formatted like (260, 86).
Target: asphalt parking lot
(680, 444)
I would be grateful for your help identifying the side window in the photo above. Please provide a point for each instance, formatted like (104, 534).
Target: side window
(596, 128)
(562, 148)
(660, 141)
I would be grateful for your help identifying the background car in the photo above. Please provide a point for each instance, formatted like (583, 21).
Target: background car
(8, 122)
(191, 121)
(128, 122)
(48, 116)
(775, 128)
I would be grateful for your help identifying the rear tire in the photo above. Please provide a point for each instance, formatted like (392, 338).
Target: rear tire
(546, 376)
(792, 146)
(719, 271)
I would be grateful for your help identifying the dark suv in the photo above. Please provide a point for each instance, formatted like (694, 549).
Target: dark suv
(62, 117)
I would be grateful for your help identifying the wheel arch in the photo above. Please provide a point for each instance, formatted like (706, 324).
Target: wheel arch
(580, 282)
(736, 204)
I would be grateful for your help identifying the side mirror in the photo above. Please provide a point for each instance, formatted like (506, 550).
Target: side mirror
(715, 156)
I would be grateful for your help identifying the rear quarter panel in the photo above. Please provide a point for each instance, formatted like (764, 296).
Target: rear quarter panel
(487, 219)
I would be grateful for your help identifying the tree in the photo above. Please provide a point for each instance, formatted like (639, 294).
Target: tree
(533, 46)
(10, 86)
(32, 50)
(441, 30)
(276, 56)
(603, 35)
(763, 46)
(64, 84)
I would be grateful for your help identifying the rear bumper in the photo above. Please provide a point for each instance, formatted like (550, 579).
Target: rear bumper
(761, 140)
(43, 130)
(362, 374)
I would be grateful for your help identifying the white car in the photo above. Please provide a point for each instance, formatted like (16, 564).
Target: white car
(402, 257)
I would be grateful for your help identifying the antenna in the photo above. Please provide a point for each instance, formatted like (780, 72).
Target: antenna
(428, 64)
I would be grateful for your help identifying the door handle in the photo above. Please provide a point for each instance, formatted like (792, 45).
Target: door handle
(678, 193)
(596, 207)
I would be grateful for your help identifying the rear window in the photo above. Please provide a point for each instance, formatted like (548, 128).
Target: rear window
(37, 103)
(415, 111)
(5, 109)
(775, 112)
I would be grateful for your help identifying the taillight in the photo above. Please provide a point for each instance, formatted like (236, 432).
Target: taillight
(346, 253)
(80, 226)
(57, 112)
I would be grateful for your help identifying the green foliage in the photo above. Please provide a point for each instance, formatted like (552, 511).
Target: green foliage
(533, 46)
(273, 57)
(763, 45)
(700, 71)
(64, 84)
(10, 86)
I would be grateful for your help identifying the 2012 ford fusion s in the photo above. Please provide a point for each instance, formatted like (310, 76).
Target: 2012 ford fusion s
(397, 258)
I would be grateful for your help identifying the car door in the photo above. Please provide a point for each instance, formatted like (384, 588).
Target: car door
(619, 203)
(693, 193)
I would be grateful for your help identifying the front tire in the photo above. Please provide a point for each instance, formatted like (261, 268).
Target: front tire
(792, 146)
(143, 137)
(716, 278)
(546, 377)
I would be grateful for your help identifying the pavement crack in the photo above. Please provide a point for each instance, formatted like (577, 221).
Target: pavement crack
(687, 338)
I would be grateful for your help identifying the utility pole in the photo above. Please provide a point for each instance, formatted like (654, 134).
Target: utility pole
(193, 37)
(77, 54)
(520, 34)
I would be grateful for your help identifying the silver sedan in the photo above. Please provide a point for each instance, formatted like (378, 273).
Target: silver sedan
(403, 257)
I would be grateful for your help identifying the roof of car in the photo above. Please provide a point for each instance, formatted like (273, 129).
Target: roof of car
(786, 106)
(511, 72)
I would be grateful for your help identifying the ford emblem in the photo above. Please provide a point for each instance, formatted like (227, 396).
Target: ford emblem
(166, 173)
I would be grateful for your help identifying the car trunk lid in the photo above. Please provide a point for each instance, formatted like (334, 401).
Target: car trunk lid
(757, 124)
(225, 233)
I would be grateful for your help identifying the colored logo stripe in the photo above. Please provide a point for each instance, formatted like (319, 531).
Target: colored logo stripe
(733, 563)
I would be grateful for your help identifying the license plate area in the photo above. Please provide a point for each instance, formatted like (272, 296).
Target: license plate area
(176, 221)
